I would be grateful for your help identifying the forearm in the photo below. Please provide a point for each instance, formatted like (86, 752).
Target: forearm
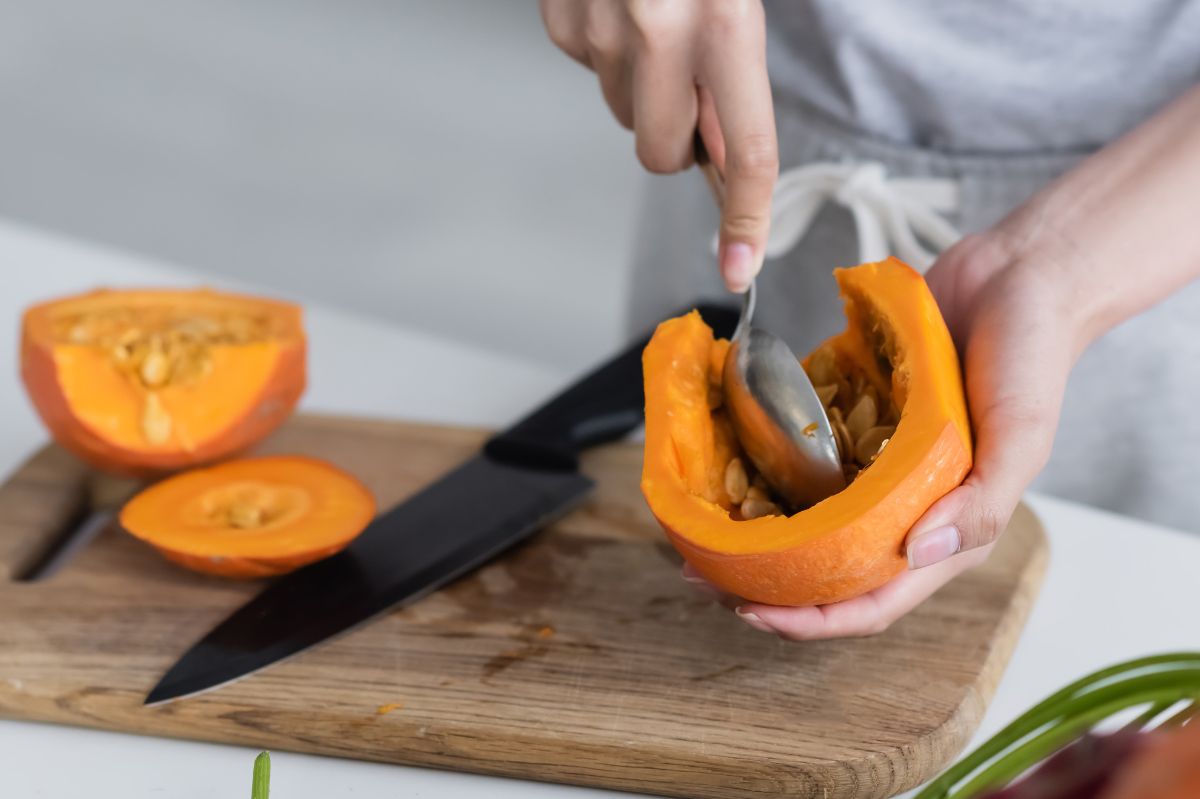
(1121, 231)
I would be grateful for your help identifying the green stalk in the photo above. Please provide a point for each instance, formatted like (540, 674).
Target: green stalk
(1017, 761)
(261, 788)
(1052, 708)
(1150, 714)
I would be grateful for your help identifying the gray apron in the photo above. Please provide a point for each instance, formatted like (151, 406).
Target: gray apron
(1130, 419)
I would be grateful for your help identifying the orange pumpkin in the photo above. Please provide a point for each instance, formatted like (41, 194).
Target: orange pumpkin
(895, 347)
(155, 380)
(254, 517)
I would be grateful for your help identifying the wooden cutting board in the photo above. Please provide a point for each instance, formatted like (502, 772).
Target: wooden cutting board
(580, 657)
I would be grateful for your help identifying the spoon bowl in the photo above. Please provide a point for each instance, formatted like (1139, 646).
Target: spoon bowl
(772, 404)
(777, 415)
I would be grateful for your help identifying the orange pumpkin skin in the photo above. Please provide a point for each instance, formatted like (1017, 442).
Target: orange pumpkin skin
(245, 568)
(312, 510)
(277, 388)
(849, 543)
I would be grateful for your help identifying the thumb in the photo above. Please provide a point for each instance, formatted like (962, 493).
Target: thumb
(1011, 449)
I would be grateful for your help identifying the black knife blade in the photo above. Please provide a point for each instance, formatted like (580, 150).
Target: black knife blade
(524, 478)
(454, 525)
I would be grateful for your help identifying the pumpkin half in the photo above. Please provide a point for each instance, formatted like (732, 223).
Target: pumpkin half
(254, 517)
(155, 380)
(897, 350)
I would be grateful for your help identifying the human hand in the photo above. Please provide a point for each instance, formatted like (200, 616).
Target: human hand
(1019, 338)
(670, 69)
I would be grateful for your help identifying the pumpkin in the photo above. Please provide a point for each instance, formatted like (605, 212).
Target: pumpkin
(893, 372)
(253, 517)
(147, 381)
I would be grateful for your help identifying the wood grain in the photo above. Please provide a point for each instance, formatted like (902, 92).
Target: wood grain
(580, 657)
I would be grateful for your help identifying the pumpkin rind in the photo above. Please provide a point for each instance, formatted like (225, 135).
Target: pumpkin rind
(264, 381)
(852, 542)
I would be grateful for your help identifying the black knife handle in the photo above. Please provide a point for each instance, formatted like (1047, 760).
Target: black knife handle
(602, 406)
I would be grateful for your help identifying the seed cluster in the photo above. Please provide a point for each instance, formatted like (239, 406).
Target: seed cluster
(159, 347)
(750, 494)
(863, 419)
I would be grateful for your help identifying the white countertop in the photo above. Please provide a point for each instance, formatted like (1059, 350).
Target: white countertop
(1115, 589)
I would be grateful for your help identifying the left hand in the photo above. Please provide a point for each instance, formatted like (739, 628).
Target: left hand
(1019, 340)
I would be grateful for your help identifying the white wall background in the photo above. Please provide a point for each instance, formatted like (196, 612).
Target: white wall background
(438, 164)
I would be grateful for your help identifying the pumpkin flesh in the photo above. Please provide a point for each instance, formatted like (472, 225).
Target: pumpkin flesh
(253, 517)
(146, 381)
(852, 541)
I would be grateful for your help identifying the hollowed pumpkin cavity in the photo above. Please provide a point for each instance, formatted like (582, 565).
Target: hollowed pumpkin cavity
(892, 384)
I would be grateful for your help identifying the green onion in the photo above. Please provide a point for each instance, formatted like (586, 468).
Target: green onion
(261, 789)
(1161, 681)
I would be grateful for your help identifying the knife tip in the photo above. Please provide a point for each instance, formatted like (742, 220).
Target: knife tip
(158, 696)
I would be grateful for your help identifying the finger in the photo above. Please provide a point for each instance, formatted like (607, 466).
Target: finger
(604, 27)
(563, 20)
(664, 105)
(737, 77)
(869, 614)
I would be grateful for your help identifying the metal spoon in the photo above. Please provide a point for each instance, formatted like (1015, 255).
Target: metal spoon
(776, 413)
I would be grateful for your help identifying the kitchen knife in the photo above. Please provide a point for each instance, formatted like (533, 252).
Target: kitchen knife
(522, 479)
(100, 500)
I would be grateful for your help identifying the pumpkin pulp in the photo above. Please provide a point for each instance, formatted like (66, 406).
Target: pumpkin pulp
(895, 348)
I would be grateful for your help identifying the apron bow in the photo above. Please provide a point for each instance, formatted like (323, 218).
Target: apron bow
(891, 215)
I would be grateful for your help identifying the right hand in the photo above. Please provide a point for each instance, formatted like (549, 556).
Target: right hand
(670, 69)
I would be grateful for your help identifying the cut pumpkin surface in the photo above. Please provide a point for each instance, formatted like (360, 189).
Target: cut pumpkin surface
(251, 517)
(908, 444)
(155, 380)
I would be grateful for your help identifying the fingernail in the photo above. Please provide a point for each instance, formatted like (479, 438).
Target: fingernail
(933, 547)
(754, 621)
(737, 266)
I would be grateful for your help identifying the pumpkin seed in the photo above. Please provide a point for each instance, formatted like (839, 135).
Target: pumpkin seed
(156, 424)
(737, 484)
(756, 508)
(245, 516)
(871, 443)
(756, 493)
(827, 393)
(863, 416)
(845, 442)
(155, 369)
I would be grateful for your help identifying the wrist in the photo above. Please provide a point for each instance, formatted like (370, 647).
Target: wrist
(1044, 261)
